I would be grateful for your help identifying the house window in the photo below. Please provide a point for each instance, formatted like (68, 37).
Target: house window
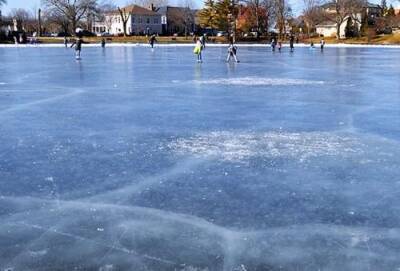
(140, 20)
(156, 20)
(133, 20)
(148, 20)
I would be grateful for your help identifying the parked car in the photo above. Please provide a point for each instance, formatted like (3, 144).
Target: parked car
(86, 33)
(221, 34)
(63, 34)
(104, 34)
(209, 32)
(385, 31)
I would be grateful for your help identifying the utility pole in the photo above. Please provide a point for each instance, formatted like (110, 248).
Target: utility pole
(39, 22)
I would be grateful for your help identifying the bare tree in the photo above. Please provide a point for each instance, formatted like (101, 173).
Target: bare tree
(55, 21)
(151, 3)
(187, 15)
(312, 14)
(73, 10)
(106, 6)
(3, 2)
(282, 12)
(22, 17)
(256, 10)
(267, 6)
(345, 9)
(124, 14)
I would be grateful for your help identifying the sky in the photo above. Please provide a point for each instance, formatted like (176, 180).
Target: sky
(34, 4)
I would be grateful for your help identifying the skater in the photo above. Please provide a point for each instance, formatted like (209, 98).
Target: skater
(203, 41)
(197, 50)
(65, 42)
(322, 44)
(152, 40)
(78, 47)
(291, 42)
(273, 44)
(232, 49)
(312, 45)
(279, 46)
(103, 43)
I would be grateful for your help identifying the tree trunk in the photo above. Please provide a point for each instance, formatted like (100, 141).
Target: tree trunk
(39, 22)
(74, 26)
(338, 31)
(124, 27)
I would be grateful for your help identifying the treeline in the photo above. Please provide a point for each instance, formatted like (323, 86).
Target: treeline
(256, 16)
(261, 17)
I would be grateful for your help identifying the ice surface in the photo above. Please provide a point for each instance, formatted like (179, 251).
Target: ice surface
(140, 159)
(258, 81)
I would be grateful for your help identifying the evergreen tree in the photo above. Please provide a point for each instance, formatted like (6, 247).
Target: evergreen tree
(391, 12)
(349, 30)
(223, 8)
(384, 7)
(208, 15)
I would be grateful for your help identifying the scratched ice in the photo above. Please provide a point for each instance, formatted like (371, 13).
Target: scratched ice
(135, 159)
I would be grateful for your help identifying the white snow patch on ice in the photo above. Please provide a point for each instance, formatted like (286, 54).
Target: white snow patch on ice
(191, 45)
(258, 81)
(236, 147)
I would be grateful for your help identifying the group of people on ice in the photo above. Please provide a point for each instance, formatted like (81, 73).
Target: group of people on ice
(199, 47)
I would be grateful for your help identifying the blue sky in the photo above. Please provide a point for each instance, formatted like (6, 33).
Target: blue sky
(31, 4)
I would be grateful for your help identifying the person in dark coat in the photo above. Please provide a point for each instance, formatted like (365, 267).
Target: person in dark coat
(78, 47)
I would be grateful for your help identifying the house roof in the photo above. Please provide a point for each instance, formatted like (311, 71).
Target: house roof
(167, 9)
(332, 5)
(136, 10)
(326, 24)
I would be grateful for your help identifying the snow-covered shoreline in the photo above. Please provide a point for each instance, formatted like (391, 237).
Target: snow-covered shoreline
(340, 45)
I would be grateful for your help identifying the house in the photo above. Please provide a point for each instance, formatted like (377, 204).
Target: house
(177, 20)
(328, 28)
(140, 21)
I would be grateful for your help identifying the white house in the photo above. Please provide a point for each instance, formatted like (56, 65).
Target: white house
(328, 27)
(141, 21)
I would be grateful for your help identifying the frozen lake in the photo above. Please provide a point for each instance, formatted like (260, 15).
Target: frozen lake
(134, 159)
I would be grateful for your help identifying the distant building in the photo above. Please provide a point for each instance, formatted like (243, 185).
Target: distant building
(177, 20)
(328, 27)
(141, 21)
